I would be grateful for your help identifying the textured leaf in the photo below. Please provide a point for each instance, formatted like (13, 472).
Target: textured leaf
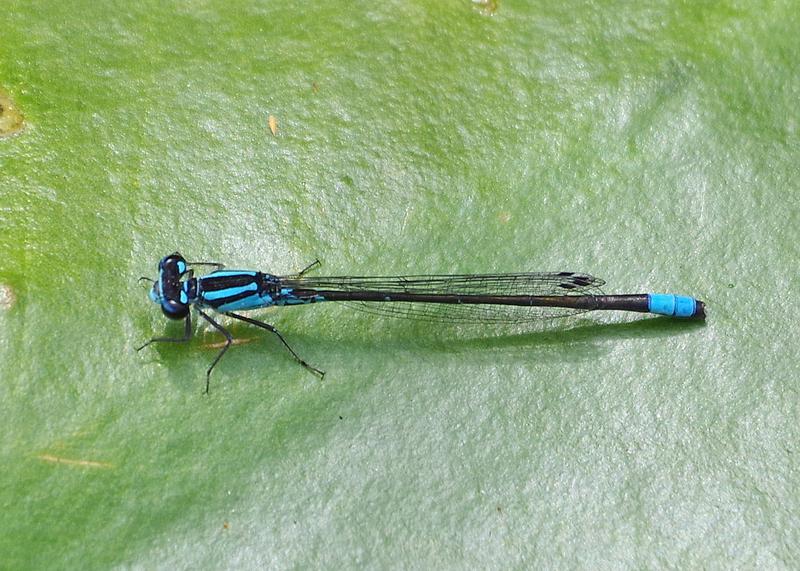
(653, 145)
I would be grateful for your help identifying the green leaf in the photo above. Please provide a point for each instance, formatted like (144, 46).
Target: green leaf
(654, 145)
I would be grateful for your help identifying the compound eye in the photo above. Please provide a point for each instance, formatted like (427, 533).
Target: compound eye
(174, 264)
(174, 309)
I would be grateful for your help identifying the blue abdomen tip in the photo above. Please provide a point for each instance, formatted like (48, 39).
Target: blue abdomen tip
(674, 305)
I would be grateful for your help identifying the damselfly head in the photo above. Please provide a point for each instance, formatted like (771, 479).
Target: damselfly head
(168, 290)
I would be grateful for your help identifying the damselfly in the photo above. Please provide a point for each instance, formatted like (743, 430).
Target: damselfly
(476, 298)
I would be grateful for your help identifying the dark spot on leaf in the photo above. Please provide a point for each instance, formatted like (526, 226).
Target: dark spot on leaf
(11, 119)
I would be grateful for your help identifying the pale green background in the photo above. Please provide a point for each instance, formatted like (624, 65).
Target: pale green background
(652, 144)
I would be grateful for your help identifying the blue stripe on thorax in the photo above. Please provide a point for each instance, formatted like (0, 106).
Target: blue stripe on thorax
(227, 273)
(254, 301)
(229, 292)
(244, 291)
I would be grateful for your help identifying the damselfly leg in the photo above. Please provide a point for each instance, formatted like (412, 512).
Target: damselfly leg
(187, 334)
(308, 268)
(272, 329)
(228, 341)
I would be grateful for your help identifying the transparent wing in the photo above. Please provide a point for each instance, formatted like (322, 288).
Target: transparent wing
(527, 284)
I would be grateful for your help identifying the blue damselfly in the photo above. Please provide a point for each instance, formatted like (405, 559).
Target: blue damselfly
(476, 298)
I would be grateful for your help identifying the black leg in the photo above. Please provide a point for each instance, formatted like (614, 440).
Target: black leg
(308, 268)
(187, 334)
(270, 328)
(228, 341)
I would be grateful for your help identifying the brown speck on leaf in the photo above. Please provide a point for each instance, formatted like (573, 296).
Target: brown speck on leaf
(486, 7)
(273, 124)
(11, 119)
